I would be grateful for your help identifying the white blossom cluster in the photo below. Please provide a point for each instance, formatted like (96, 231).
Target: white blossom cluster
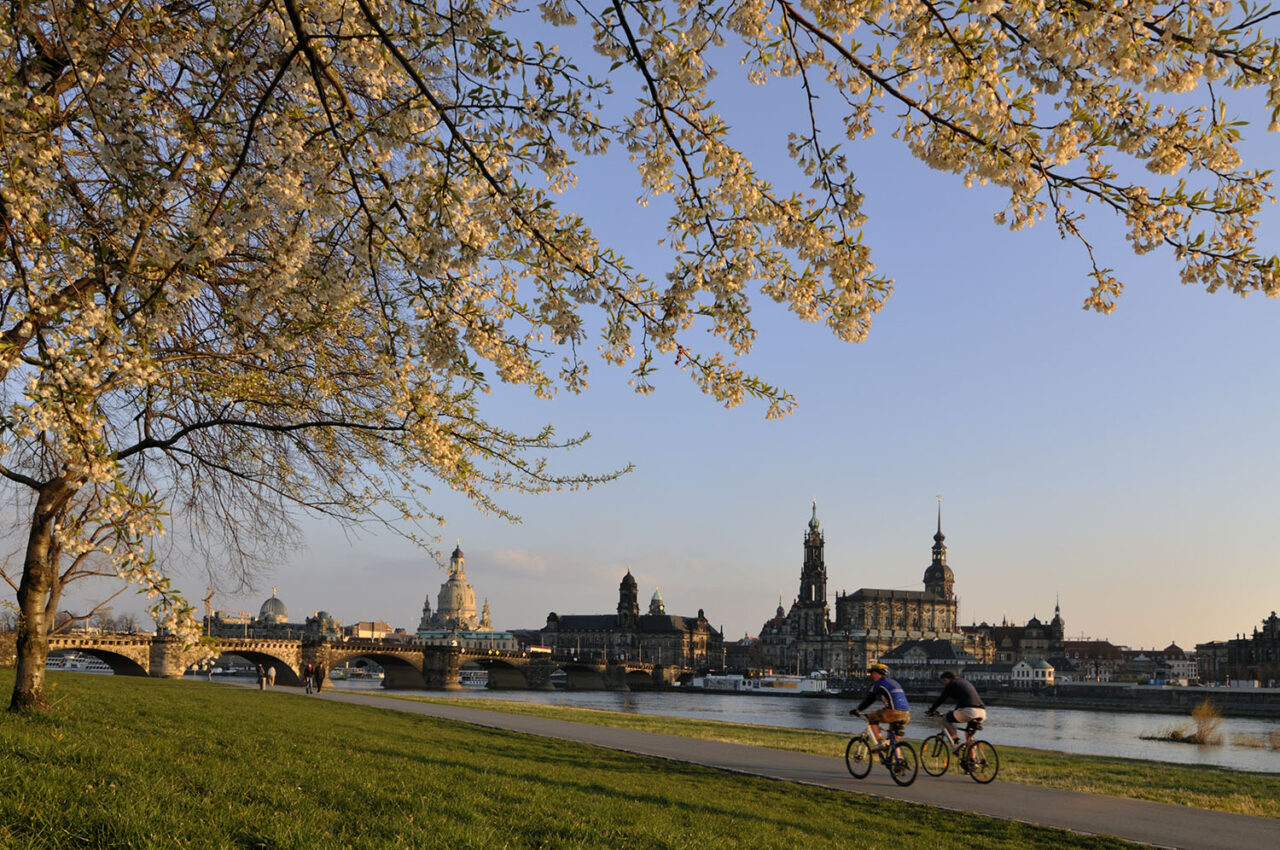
(270, 256)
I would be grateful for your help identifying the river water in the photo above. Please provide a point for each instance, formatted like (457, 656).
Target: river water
(1103, 733)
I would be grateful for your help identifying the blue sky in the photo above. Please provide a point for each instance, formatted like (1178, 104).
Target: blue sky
(1123, 464)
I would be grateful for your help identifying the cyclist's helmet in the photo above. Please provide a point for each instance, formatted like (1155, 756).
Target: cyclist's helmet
(878, 668)
(947, 674)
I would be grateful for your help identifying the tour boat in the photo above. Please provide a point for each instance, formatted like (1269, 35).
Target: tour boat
(473, 678)
(764, 685)
(77, 663)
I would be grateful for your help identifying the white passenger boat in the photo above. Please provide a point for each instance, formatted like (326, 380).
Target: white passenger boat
(473, 678)
(79, 663)
(764, 685)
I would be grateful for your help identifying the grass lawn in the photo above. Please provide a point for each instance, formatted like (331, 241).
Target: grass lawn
(131, 762)
(1220, 789)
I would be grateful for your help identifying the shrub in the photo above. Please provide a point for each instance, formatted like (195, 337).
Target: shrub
(1207, 718)
(1256, 742)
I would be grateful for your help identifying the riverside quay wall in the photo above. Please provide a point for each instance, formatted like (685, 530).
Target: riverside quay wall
(1232, 702)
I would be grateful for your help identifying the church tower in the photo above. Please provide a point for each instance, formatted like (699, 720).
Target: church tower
(1057, 626)
(812, 603)
(628, 602)
(938, 578)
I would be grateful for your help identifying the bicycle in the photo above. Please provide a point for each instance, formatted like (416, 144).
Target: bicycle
(979, 759)
(898, 757)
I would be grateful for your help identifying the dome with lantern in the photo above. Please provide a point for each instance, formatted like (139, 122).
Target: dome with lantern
(273, 610)
(456, 601)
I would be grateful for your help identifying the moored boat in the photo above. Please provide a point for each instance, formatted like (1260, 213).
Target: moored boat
(473, 678)
(764, 685)
(77, 662)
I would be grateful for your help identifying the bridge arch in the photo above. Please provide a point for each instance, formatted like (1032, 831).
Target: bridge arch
(583, 677)
(503, 675)
(401, 670)
(286, 674)
(121, 665)
(640, 680)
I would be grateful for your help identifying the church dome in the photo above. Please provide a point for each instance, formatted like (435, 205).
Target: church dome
(628, 582)
(456, 602)
(273, 610)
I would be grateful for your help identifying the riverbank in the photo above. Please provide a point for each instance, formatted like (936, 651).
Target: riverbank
(1068, 731)
(157, 764)
(1263, 703)
(1260, 703)
(1213, 788)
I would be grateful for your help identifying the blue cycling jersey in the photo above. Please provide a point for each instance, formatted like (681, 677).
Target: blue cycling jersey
(888, 691)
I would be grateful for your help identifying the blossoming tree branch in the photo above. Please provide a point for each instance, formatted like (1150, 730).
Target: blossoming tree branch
(263, 259)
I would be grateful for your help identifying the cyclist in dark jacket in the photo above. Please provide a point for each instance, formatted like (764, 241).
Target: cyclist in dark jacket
(969, 705)
(891, 695)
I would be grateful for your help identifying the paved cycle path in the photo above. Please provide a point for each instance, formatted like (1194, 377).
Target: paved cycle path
(1159, 824)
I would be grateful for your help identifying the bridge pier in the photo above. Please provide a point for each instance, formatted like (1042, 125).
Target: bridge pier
(441, 668)
(615, 678)
(664, 676)
(317, 655)
(537, 675)
(166, 658)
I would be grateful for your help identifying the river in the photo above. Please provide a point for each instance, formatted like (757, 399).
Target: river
(1103, 733)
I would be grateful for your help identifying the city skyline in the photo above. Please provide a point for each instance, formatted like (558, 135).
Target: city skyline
(1124, 465)
(482, 562)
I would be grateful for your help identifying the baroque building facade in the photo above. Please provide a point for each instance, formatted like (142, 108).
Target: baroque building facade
(655, 637)
(455, 603)
(272, 622)
(1011, 643)
(1252, 657)
(455, 621)
(868, 623)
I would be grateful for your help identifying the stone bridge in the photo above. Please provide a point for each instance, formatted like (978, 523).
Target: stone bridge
(406, 666)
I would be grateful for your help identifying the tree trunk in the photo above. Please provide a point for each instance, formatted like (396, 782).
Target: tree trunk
(38, 573)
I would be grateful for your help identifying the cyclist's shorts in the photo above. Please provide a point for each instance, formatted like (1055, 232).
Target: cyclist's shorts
(889, 715)
(964, 715)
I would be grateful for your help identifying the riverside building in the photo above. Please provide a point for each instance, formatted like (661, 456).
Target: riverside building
(655, 638)
(869, 623)
(272, 622)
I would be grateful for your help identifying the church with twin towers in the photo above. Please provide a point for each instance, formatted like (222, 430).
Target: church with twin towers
(869, 623)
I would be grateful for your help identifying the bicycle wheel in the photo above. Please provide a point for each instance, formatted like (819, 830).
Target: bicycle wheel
(903, 766)
(857, 757)
(935, 755)
(984, 762)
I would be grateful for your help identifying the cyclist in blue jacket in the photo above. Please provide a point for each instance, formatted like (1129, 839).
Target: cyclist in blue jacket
(894, 702)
